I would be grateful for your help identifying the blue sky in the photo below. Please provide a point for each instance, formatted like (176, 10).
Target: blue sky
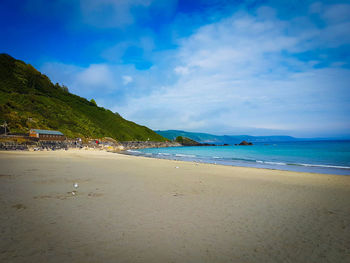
(224, 67)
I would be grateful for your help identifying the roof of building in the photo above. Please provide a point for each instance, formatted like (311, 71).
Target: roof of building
(47, 132)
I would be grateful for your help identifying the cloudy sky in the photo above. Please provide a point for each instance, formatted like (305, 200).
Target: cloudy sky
(218, 66)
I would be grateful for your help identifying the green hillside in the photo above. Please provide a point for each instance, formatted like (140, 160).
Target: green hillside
(28, 99)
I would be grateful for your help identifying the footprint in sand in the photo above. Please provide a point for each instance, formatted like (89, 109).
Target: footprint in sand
(19, 206)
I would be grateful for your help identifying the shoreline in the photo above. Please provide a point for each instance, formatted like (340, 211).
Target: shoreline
(100, 154)
(103, 154)
(125, 152)
(136, 148)
(129, 152)
(302, 168)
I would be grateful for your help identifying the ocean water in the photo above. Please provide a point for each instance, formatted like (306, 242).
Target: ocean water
(331, 157)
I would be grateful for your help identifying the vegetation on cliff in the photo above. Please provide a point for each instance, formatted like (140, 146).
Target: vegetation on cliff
(28, 99)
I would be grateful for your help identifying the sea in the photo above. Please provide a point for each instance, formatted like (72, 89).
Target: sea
(328, 157)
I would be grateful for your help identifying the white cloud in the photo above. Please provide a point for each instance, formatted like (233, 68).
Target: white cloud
(234, 74)
(116, 52)
(336, 31)
(96, 77)
(94, 80)
(60, 72)
(181, 70)
(127, 80)
(241, 73)
(106, 83)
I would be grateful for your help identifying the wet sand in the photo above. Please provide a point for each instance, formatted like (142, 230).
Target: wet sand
(136, 209)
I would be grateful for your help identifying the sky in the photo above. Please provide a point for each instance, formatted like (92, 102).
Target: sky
(218, 66)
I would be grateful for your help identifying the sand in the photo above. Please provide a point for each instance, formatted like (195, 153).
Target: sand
(136, 209)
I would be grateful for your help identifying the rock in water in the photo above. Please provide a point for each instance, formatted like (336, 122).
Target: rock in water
(245, 143)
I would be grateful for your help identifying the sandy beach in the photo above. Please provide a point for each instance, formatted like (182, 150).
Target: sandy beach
(136, 209)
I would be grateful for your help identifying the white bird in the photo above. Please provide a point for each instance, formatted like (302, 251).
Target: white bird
(75, 185)
(177, 167)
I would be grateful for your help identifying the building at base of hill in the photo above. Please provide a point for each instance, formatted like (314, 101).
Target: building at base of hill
(47, 135)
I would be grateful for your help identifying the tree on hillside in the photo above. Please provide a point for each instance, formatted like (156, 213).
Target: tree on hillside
(93, 102)
(63, 87)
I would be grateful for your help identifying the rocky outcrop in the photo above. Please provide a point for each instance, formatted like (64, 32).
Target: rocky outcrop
(146, 144)
(13, 145)
(7, 143)
(244, 143)
(114, 146)
(186, 141)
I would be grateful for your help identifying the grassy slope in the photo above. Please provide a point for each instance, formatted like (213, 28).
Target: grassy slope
(26, 93)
